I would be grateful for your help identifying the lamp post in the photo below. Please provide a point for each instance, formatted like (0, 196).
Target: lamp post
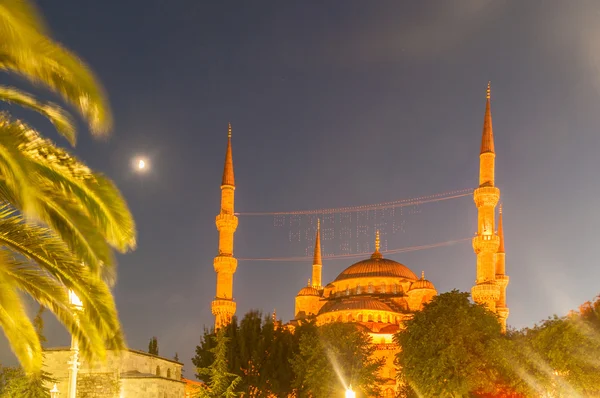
(54, 392)
(350, 392)
(76, 306)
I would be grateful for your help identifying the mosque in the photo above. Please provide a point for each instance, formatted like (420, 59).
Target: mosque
(377, 294)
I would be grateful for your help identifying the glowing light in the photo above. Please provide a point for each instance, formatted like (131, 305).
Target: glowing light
(54, 392)
(140, 164)
(350, 392)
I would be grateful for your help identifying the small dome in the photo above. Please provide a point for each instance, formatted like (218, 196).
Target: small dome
(421, 283)
(309, 291)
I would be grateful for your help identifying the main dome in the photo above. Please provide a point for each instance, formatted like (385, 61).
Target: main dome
(376, 266)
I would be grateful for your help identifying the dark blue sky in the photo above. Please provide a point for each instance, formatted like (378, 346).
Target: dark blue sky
(335, 104)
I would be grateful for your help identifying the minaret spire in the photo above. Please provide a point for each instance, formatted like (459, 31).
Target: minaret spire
(317, 259)
(223, 306)
(490, 283)
(487, 136)
(228, 176)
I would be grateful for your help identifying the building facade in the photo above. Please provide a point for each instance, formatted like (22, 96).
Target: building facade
(130, 373)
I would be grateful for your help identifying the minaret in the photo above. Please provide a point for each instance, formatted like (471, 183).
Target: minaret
(223, 306)
(317, 260)
(501, 277)
(486, 242)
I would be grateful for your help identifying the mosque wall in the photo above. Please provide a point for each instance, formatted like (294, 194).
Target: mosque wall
(131, 374)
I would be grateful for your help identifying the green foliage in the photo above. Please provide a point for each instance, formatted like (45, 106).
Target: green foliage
(15, 383)
(258, 352)
(452, 348)
(560, 356)
(219, 381)
(38, 324)
(333, 356)
(153, 346)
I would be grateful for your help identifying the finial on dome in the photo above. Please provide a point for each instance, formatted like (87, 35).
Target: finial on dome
(377, 241)
(274, 314)
(229, 131)
(489, 90)
(500, 209)
(308, 284)
(423, 275)
(318, 223)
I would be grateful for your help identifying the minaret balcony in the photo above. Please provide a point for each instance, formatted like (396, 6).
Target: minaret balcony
(226, 222)
(486, 196)
(487, 292)
(486, 243)
(226, 264)
(502, 280)
(223, 307)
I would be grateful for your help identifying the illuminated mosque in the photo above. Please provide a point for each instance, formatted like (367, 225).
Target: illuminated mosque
(377, 294)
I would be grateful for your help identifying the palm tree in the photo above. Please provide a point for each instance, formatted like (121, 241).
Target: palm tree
(59, 220)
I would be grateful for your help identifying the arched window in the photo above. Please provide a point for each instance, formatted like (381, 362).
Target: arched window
(379, 318)
(370, 317)
(358, 289)
(370, 287)
(169, 373)
(339, 318)
(158, 370)
(360, 317)
(395, 288)
(347, 290)
(382, 287)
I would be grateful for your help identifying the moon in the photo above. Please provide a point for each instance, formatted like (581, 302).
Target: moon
(140, 164)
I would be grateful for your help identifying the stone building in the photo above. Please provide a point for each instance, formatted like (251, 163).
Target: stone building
(131, 374)
(377, 294)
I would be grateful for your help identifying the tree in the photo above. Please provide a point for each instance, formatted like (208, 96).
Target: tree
(452, 348)
(56, 213)
(220, 382)
(153, 346)
(559, 357)
(258, 352)
(38, 324)
(14, 382)
(332, 352)
(176, 357)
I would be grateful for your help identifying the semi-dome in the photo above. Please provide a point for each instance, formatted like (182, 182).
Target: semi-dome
(355, 304)
(421, 283)
(376, 266)
(309, 291)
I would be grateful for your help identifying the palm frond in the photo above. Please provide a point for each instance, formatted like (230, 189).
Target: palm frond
(17, 327)
(57, 115)
(98, 196)
(28, 51)
(53, 257)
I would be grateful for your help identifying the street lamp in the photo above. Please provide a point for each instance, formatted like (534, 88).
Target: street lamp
(76, 307)
(350, 392)
(54, 392)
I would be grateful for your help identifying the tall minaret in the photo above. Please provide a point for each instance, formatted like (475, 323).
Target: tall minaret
(317, 260)
(501, 277)
(486, 242)
(223, 306)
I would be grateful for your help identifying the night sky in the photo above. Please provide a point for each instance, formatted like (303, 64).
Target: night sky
(336, 104)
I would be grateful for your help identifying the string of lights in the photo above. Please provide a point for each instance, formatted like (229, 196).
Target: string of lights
(378, 206)
(358, 255)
